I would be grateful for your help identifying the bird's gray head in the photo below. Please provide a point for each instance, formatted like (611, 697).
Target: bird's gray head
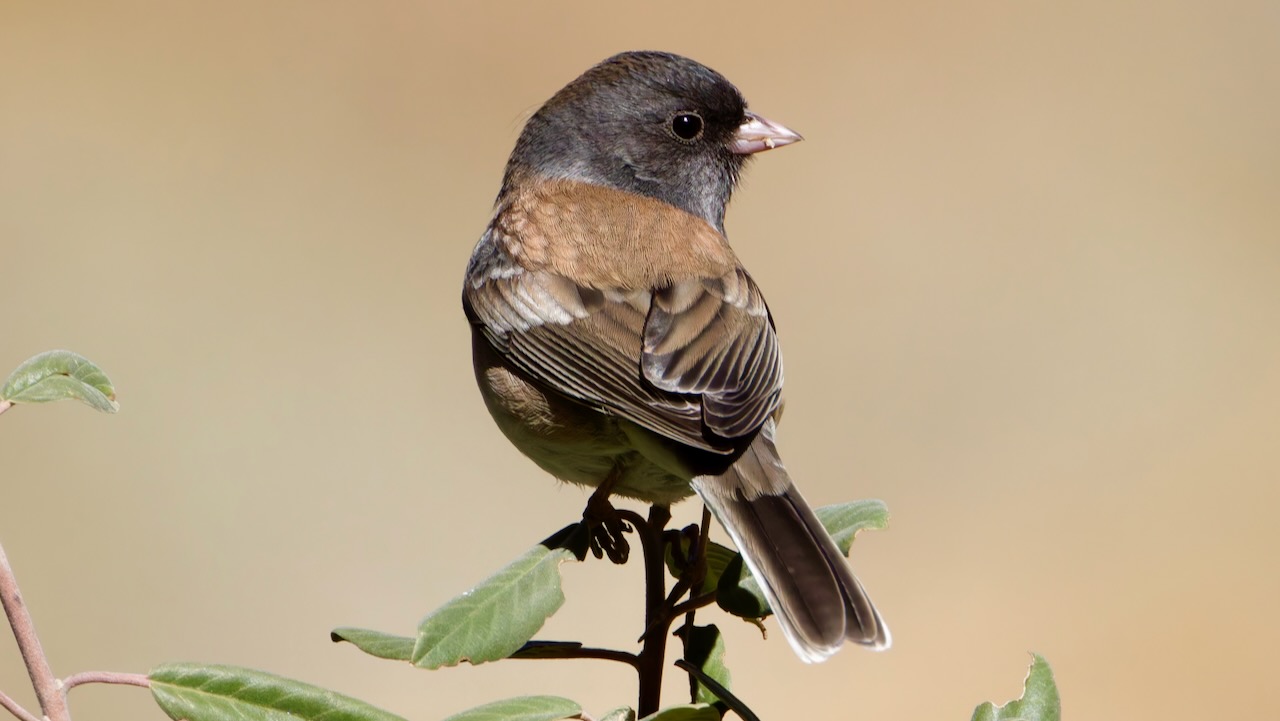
(651, 123)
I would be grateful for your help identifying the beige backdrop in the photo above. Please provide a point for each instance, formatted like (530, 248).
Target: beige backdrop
(1026, 268)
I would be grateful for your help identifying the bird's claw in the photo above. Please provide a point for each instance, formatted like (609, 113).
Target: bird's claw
(607, 530)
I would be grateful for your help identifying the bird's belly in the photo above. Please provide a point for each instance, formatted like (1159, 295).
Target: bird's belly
(569, 440)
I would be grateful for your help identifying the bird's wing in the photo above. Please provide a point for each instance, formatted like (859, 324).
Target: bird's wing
(713, 337)
(680, 356)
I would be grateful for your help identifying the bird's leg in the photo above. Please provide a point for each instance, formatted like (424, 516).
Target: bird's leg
(605, 523)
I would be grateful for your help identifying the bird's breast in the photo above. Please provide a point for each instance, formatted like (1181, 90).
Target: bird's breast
(607, 238)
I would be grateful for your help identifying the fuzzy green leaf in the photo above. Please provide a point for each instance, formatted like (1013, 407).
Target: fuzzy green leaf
(739, 594)
(704, 649)
(494, 619)
(622, 713)
(376, 643)
(1039, 701)
(59, 375)
(845, 520)
(718, 557)
(546, 649)
(690, 712)
(193, 692)
(522, 708)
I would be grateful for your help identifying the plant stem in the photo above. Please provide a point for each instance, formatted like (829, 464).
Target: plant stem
(15, 708)
(696, 572)
(576, 651)
(5, 405)
(657, 618)
(694, 604)
(52, 703)
(126, 679)
(733, 702)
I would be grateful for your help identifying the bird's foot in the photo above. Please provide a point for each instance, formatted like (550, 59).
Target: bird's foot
(607, 528)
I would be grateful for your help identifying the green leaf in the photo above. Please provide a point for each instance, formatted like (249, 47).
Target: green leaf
(739, 594)
(622, 713)
(718, 557)
(522, 708)
(704, 649)
(545, 649)
(57, 375)
(1039, 700)
(844, 520)
(691, 712)
(194, 692)
(376, 643)
(494, 619)
(737, 591)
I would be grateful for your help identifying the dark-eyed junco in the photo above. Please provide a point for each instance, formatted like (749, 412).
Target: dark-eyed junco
(618, 340)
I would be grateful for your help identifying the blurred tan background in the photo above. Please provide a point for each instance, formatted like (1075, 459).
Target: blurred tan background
(1026, 268)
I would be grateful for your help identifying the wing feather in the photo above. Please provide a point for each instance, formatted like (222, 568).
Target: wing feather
(691, 358)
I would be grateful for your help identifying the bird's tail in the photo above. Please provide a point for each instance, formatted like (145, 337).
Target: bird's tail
(818, 601)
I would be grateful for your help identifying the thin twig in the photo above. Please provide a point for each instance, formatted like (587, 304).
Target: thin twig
(694, 603)
(697, 573)
(680, 588)
(733, 702)
(126, 679)
(16, 709)
(698, 568)
(635, 519)
(52, 704)
(539, 652)
(704, 540)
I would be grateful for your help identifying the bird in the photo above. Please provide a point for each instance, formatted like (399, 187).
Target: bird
(619, 342)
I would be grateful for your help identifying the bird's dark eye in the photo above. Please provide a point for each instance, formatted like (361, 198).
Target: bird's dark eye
(686, 125)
